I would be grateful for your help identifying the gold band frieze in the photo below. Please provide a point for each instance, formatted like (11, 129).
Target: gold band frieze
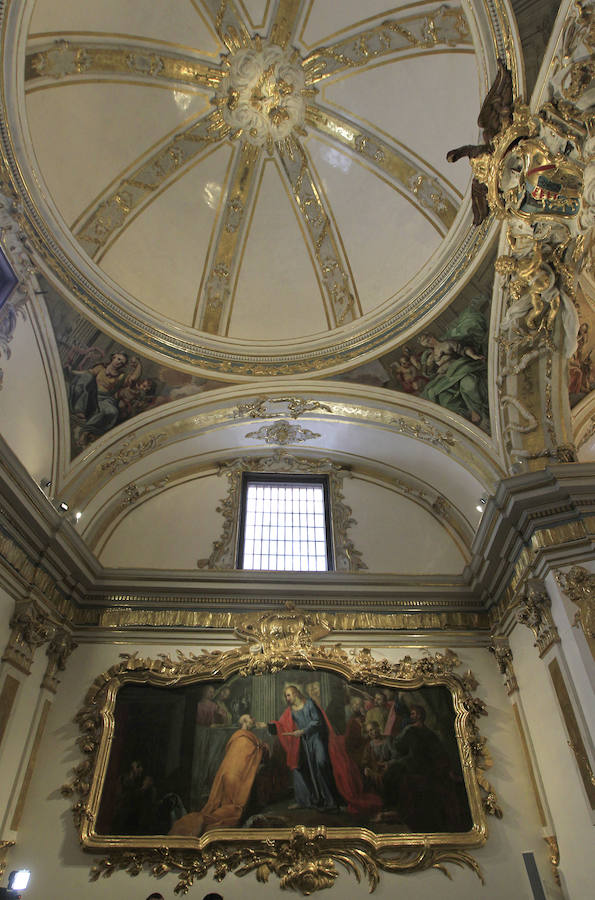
(422, 187)
(445, 26)
(113, 209)
(138, 617)
(64, 59)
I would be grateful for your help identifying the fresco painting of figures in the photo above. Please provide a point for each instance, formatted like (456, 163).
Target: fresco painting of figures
(283, 749)
(581, 366)
(106, 384)
(446, 364)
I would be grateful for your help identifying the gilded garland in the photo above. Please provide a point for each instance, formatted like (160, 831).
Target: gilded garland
(371, 766)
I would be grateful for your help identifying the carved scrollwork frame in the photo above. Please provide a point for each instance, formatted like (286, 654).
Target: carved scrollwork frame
(224, 553)
(304, 858)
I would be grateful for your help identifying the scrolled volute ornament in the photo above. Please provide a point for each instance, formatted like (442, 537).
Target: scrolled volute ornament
(305, 863)
(58, 650)
(534, 611)
(579, 586)
(30, 629)
(500, 648)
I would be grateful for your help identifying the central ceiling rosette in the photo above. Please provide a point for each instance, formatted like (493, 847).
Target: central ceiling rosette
(262, 98)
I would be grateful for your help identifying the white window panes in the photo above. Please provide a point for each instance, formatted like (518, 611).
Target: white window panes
(284, 528)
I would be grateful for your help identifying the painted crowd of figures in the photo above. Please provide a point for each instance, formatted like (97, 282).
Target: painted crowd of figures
(366, 758)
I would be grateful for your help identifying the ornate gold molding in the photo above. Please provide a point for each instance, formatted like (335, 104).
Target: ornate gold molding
(223, 556)
(305, 863)
(58, 650)
(282, 433)
(303, 858)
(554, 854)
(579, 586)
(130, 451)
(139, 617)
(271, 407)
(422, 31)
(500, 647)
(30, 629)
(535, 612)
(4, 848)
(542, 539)
(65, 59)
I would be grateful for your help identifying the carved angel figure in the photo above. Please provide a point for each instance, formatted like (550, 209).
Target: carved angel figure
(495, 115)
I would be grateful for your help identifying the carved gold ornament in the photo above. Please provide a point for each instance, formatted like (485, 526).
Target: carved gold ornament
(534, 611)
(270, 407)
(303, 858)
(526, 179)
(4, 848)
(283, 432)
(500, 647)
(579, 586)
(262, 96)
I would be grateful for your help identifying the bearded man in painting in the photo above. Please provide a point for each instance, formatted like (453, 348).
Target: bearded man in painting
(232, 783)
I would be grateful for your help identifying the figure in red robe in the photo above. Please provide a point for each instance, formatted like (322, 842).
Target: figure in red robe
(324, 777)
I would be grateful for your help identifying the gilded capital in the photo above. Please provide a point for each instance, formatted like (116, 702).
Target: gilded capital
(535, 612)
(579, 586)
(30, 628)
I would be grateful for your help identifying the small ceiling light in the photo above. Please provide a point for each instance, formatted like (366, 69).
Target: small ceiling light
(63, 506)
(77, 515)
(481, 505)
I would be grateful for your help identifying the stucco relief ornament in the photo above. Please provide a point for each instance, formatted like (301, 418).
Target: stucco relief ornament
(21, 271)
(61, 60)
(262, 96)
(579, 586)
(535, 612)
(283, 433)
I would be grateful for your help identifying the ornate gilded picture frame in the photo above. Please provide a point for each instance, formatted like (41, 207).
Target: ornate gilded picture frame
(282, 756)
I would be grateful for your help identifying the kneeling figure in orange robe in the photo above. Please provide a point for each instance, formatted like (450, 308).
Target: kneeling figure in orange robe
(231, 786)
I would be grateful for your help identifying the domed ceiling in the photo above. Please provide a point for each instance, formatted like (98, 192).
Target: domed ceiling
(255, 187)
(239, 206)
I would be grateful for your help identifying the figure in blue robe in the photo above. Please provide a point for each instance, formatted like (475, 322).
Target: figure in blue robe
(313, 779)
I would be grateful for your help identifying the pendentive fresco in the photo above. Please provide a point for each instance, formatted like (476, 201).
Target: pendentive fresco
(107, 384)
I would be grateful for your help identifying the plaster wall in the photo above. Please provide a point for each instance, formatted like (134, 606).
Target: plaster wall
(170, 530)
(174, 527)
(395, 534)
(21, 726)
(567, 800)
(26, 403)
(576, 649)
(47, 841)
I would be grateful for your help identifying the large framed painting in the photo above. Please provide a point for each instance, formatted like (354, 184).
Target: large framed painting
(282, 756)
